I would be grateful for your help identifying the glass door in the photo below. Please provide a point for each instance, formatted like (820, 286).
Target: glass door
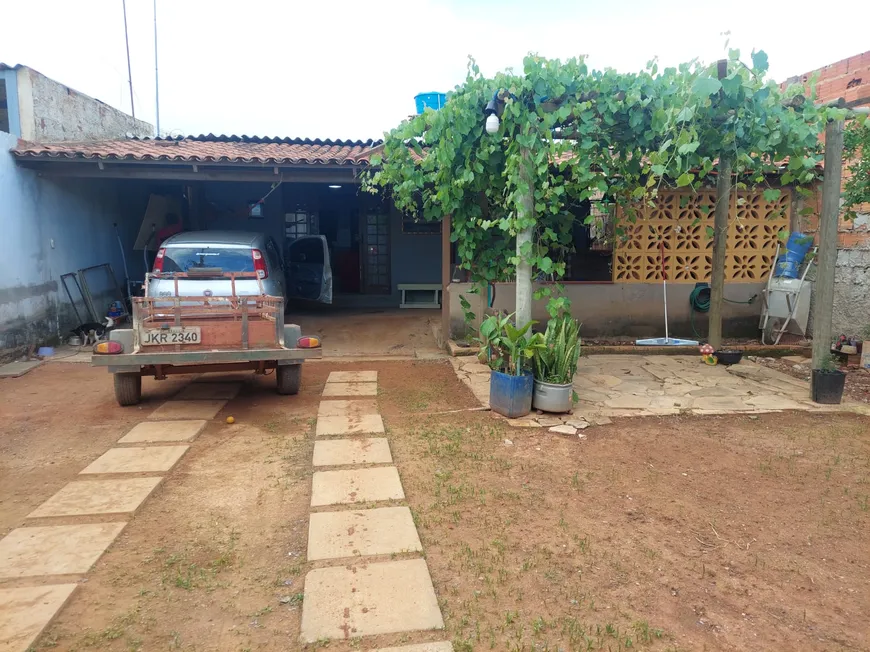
(376, 253)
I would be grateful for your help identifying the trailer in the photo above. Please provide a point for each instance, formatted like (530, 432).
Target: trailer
(173, 334)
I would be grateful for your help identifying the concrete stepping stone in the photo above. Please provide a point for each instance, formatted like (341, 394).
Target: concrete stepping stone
(55, 549)
(355, 486)
(353, 377)
(26, 612)
(208, 391)
(18, 369)
(441, 646)
(380, 531)
(199, 409)
(97, 497)
(345, 408)
(153, 459)
(163, 431)
(339, 452)
(351, 425)
(350, 389)
(364, 600)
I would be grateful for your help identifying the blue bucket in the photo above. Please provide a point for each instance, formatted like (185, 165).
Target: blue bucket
(509, 395)
(430, 100)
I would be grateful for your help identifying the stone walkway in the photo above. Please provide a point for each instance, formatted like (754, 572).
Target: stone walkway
(114, 485)
(370, 577)
(634, 385)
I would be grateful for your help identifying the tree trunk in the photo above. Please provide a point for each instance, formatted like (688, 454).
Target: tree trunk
(823, 301)
(525, 210)
(720, 243)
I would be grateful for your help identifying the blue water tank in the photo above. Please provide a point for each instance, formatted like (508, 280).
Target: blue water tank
(789, 263)
(431, 100)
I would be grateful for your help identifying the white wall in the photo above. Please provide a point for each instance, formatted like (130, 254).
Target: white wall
(50, 228)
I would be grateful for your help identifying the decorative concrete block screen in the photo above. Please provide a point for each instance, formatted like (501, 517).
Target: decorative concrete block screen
(679, 221)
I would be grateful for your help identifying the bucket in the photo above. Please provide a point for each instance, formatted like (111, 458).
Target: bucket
(510, 396)
(552, 398)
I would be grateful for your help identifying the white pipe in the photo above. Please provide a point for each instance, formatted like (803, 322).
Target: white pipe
(665, 290)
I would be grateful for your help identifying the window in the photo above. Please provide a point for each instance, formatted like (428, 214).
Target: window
(298, 224)
(221, 259)
(593, 243)
(4, 107)
(414, 225)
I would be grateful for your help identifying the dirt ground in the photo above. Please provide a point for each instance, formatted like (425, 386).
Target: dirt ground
(371, 332)
(679, 533)
(857, 379)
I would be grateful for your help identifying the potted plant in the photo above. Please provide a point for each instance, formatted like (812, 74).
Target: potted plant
(556, 364)
(508, 350)
(828, 382)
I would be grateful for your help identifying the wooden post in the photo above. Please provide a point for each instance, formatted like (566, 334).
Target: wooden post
(445, 278)
(823, 300)
(525, 210)
(720, 238)
(720, 243)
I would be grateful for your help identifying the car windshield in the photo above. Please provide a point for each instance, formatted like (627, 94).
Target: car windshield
(185, 259)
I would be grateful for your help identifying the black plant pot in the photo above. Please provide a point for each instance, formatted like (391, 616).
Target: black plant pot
(728, 356)
(827, 386)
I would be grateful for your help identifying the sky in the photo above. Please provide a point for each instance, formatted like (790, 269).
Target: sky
(351, 69)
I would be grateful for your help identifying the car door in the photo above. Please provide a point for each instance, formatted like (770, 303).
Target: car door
(309, 273)
(276, 265)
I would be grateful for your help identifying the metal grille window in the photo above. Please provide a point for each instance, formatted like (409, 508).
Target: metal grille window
(299, 224)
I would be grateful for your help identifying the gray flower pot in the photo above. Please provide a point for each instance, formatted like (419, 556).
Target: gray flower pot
(552, 398)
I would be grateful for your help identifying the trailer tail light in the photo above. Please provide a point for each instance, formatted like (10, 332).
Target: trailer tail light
(259, 264)
(158, 260)
(109, 347)
(308, 343)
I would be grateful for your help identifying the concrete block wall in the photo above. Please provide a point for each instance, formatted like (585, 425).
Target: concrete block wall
(51, 112)
(852, 292)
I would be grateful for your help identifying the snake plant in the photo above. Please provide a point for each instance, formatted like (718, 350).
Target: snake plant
(556, 358)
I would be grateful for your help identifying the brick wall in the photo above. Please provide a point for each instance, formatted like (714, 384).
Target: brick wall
(849, 79)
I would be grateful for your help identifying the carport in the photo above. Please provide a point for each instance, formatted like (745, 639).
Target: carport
(287, 188)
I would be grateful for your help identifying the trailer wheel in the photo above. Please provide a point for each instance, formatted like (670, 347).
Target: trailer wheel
(128, 389)
(289, 378)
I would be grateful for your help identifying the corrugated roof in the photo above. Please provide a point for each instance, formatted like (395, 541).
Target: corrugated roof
(208, 149)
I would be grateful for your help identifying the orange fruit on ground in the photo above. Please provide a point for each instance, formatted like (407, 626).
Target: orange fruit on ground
(231, 420)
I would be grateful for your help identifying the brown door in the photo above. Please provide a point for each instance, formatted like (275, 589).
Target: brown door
(376, 252)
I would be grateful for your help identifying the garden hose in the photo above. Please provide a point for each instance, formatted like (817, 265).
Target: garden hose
(699, 300)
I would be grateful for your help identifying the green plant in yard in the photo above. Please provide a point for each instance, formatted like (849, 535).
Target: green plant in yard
(505, 347)
(829, 363)
(556, 360)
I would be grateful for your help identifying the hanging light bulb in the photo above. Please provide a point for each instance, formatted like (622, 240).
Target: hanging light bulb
(492, 123)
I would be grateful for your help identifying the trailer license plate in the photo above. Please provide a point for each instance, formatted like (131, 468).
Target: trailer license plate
(172, 335)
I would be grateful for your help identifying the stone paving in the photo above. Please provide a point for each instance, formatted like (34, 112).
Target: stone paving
(44, 553)
(382, 595)
(660, 385)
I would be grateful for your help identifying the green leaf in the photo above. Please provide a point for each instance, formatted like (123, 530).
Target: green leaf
(771, 194)
(688, 148)
(759, 61)
(685, 179)
(706, 86)
(546, 264)
(686, 114)
(710, 232)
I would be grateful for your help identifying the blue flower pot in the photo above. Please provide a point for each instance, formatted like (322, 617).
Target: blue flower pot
(509, 395)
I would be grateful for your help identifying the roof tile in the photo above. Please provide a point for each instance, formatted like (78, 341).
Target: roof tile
(208, 149)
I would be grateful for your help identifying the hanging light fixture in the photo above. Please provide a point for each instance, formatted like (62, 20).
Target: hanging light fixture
(491, 113)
